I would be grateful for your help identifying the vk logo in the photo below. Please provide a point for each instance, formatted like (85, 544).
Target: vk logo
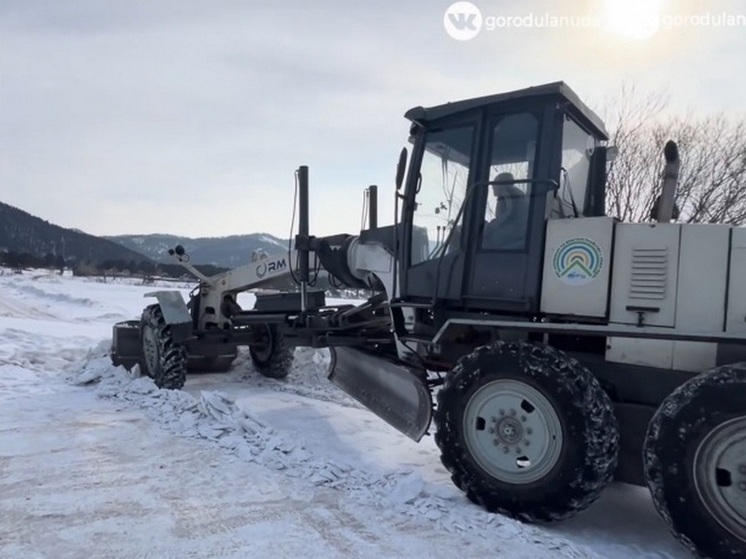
(462, 21)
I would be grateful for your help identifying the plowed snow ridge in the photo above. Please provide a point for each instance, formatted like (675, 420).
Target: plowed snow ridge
(216, 418)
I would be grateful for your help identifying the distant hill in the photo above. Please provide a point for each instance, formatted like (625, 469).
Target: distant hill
(227, 252)
(21, 232)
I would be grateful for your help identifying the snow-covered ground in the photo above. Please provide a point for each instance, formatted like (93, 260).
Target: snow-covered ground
(96, 463)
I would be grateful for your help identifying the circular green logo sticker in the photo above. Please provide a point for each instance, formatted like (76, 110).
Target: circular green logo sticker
(578, 261)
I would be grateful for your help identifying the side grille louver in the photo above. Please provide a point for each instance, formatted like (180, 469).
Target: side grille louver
(649, 274)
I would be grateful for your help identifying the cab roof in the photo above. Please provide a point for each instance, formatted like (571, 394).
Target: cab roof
(559, 90)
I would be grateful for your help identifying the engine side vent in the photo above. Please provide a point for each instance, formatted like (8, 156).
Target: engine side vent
(649, 276)
(646, 273)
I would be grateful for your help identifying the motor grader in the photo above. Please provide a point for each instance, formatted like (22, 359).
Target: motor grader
(552, 357)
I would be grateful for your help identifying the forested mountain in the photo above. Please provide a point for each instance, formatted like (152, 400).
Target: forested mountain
(21, 232)
(24, 234)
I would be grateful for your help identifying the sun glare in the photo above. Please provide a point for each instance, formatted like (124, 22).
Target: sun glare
(632, 19)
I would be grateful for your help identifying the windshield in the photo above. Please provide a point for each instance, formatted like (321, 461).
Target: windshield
(443, 179)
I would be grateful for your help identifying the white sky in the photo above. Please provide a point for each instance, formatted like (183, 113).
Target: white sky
(190, 116)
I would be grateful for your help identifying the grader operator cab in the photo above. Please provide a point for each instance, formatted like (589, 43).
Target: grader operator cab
(566, 348)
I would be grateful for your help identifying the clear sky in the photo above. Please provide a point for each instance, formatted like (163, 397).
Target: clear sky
(190, 116)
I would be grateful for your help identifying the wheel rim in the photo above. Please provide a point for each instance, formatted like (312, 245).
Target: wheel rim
(512, 431)
(264, 351)
(150, 350)
(720, 475)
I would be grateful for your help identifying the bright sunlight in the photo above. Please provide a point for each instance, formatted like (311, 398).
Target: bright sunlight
(632, 19)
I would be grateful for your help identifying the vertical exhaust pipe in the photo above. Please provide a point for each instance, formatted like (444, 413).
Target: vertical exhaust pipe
(302, 240)
(665, 205)
(372, 193)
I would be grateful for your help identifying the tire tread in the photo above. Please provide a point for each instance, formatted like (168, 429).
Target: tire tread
(577, 385)
(171, 373)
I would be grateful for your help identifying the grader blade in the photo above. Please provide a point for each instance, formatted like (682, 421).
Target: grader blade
(394, 392)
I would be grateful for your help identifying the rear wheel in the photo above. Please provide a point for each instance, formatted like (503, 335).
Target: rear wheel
(272, 356)
(695, 462)
(526, 431)
(163, 360)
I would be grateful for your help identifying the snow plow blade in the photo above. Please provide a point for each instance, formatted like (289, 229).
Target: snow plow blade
(125, 346)
(394, 392)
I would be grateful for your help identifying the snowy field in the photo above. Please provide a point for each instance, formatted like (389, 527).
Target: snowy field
(95, 463)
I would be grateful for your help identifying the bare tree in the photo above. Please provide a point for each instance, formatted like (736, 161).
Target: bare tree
(712, 180)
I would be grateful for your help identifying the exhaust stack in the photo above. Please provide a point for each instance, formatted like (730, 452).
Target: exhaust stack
(302, 240)
(665, 205)
(371, 198)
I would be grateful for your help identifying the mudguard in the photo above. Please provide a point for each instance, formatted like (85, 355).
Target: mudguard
(175, 313)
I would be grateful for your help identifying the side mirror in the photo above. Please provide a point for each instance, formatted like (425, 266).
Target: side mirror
(401, 167)
(612, 152)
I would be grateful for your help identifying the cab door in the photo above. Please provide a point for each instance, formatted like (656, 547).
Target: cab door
(508, 233)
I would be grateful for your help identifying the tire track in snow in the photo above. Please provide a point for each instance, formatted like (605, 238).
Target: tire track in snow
(40, 302)
(39, 337)
(39, 294)
(11, 307)
(38, 353)
(197, 520)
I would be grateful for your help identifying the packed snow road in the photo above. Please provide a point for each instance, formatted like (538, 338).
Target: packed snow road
(96, 463)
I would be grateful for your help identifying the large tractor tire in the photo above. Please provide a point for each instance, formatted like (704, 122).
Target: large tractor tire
(163, 360)
(695, 462)
(526, 431)
(273, 357)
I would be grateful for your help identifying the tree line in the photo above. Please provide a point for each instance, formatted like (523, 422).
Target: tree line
(712, 149)
(113, 267)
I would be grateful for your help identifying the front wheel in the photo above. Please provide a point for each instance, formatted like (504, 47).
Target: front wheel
(526, 431)
(695, 462)
(163, 360)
